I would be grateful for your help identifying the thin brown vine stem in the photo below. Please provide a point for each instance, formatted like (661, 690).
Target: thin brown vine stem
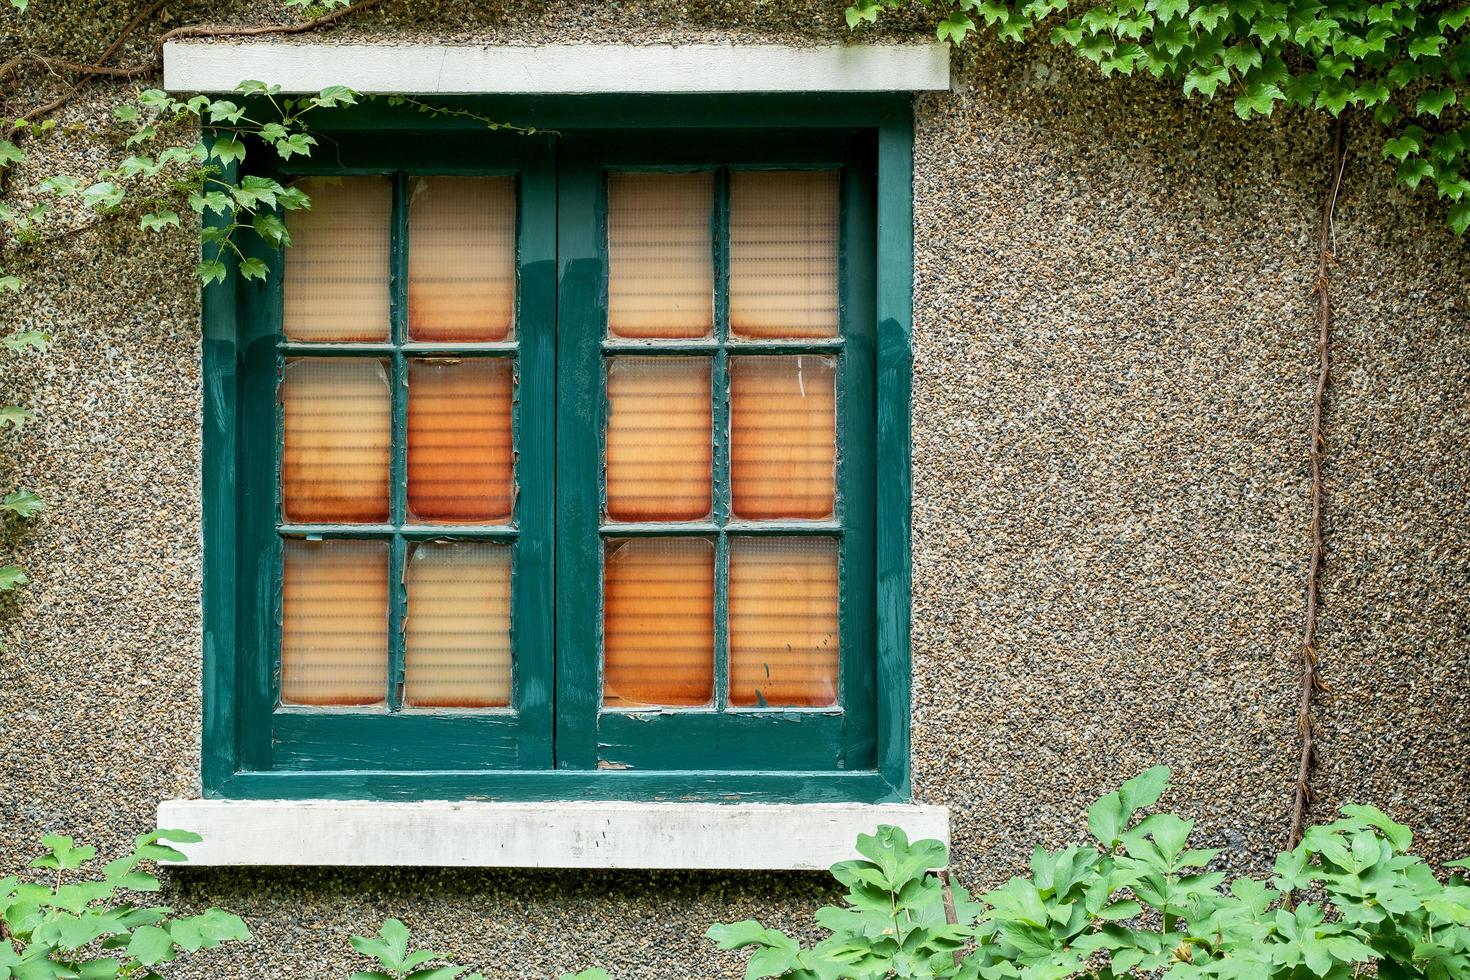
(301, 27)
(126, 32)
(1311, 681)
(947, 892)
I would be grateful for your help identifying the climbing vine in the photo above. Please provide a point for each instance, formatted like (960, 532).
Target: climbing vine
(1406, 62)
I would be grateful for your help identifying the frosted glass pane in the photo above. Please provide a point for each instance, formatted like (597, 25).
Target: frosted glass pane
(658, 622)
(334, 622)
(783, 254)
(460, 457)
(660, 260)
(338, 435)
(783, 622)
(457, 635)
(337, 266)
(658, 438)
(783, 436)
(461, 258)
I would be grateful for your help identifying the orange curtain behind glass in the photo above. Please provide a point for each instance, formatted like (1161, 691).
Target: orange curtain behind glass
(783, 254)
(338, 435)
(660, 261)
(461, 258)
(783, 622)
(337, 266)
(658, 622)
(460, 455)
(334, 622)
(783, 436)
(457, 636)
(658, 438)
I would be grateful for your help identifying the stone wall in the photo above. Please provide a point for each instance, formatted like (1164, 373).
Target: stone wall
(1114, 360)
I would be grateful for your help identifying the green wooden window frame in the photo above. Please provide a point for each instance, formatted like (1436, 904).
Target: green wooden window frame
(556, 741)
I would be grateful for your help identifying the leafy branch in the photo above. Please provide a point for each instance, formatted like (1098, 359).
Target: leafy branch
(1407, 62)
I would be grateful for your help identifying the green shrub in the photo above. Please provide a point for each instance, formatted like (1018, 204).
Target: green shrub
(1137, 901)
(66, 925)
(390, 949)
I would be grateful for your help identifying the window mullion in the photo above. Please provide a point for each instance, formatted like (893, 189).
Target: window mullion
(721, 419)
(398, 472)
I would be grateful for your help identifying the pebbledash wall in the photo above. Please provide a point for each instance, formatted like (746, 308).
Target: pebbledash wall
(1114, 359)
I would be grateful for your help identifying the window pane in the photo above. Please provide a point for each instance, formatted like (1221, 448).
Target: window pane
(461, 258)
(783, 254)
(783, 436)
(460, 457)
(334, 622)
(336, 285)
(658, 438)
(338, 435)
(457, 635)
(660, 260)
(783, 622)
(658, 622)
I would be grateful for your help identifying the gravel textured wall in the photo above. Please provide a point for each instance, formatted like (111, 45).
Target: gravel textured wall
(1114, 359)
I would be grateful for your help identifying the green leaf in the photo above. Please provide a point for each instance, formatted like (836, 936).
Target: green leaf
(103, 196)
(12, 576)
(253, 268)
(1258, 99)
(334, 95)
(954, 28)
(15, 416)
(37, 340)
(271, 229)
(10, 153)
(211, 270)
(1434, 101)
(1241, 57)
(23, 504)
(1460, 217)
(227, 149)
(1206, 82)
(1401, 146)
(159, 220)
(151, 945)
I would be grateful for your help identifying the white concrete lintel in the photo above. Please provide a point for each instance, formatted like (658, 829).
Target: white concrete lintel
(736, 836)
(556, 69)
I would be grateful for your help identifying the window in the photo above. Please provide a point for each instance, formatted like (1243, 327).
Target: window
(553, 466)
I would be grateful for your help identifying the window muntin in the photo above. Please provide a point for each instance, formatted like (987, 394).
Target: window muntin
(838, 732)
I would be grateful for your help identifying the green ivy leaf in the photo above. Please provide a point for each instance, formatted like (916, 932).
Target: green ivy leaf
(1401, 146)
(151, 945)
(23, 504)
(335, 95)
(10, 153)
(227, 149)
(159, 220)
(253, 268)
(15, 416)
(36, 340)
(1258, 99)
(1435, 101)
(12, 576)
(211, 270)
(954, 28)
(103, 196)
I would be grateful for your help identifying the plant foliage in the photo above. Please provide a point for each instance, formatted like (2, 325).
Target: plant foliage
(1405, 61)
(60, 923)
(396, 962)
(1137, 901)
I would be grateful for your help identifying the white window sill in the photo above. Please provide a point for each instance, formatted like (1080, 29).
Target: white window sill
(557, 69)
(737, 836)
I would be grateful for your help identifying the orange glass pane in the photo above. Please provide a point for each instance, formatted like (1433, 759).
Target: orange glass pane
(337, 266)
(460, 457)
(461, 258)
(658, 438)
(658, 629)
(457, 635)
(783, 622)
(338, 436)
(334, 622)
(660, 261)
(783, 436)
(783, 254)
